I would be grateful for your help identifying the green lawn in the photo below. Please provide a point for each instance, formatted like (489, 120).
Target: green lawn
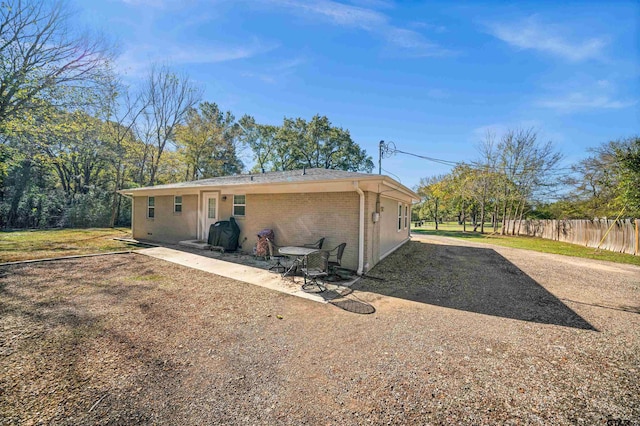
(40, 244)
(452, 229)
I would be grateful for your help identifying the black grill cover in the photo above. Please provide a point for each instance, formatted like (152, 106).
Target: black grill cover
(225, 234)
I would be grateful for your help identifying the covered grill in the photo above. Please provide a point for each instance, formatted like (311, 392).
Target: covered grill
(224, 234)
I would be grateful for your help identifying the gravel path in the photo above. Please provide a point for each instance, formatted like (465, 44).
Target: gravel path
(462, 334)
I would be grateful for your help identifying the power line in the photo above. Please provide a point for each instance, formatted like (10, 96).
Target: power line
(389, 148)
(394, 175)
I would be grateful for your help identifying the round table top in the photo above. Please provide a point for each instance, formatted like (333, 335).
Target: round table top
(297, 251)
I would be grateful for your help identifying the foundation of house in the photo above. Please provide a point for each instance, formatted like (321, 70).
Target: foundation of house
(197, 244)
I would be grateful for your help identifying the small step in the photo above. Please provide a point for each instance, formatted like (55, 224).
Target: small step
(197, 244)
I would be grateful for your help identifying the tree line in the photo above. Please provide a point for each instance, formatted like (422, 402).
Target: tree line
(72, 134)
(517, 177)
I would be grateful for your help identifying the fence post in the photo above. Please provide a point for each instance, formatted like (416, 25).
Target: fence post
(637, 251)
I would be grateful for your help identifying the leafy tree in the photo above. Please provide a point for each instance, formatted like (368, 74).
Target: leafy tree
(627, 154)
(510, 174)
(595, 182)
(298, 143)
(261, 139)
(604, 183)
(208, 142)
(432, 193)
(323, 146)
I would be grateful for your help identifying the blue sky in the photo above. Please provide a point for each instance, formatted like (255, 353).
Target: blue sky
(432, 77)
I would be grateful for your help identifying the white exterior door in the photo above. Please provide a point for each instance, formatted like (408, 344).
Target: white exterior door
(209, 213)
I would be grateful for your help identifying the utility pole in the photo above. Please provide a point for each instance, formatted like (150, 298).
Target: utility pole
(380, 157)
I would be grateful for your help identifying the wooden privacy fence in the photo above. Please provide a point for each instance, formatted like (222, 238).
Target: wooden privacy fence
(622, 238)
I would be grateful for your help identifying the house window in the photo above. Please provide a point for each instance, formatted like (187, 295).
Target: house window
(151, 207)
(239, 205)
(211, 208)
(406, 216)
(399, 216)
(177, 204)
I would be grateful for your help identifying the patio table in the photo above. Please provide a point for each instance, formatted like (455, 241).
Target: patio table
(299, 253)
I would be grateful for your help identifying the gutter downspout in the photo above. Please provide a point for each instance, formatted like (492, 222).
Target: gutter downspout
(361, 230)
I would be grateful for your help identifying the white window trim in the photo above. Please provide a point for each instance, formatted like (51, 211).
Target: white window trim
(233, 208)
(208, 207)
(406, 216)
(399, 217)
(175, 204)
(149, 207)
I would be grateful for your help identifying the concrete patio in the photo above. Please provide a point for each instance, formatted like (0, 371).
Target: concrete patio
(245, 268)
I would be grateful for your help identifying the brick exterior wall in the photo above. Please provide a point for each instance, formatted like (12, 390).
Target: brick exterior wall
(298, 219)
(166, 226)
(295, 218)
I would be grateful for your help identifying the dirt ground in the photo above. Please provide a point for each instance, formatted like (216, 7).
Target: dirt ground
(461, 334)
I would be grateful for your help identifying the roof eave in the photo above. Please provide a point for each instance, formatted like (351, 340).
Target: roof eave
(185, 188)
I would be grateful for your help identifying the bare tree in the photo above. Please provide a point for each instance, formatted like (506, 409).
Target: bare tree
(120, 112)
(486, 175)
(168, 97)
(527, 166)
(41, 58)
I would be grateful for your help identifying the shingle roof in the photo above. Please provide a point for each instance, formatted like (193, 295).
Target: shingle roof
(289, 176)
(307, 175)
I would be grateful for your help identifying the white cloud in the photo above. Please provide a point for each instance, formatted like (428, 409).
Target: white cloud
(338, 13)
(401, 39)
(584, 93)
(136, 59)
(429, 27)
(532, 34)
(274, 73)
(576, 101)
(409, 39)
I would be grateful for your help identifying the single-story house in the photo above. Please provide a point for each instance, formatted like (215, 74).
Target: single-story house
(369, 212)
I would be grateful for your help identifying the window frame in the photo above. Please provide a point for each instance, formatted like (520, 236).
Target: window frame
(177, 204)
(244, 205)
(215, 208)
(151, 207)
(406, 216)
(399, 216)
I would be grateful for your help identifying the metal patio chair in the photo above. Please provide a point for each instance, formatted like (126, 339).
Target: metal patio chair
(316, 267)
(316, 245)
(337, 252)
(274, 254)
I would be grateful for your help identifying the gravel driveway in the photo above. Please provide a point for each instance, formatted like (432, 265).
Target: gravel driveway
(462, 333)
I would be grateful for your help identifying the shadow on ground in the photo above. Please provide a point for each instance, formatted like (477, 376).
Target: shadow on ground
(470, 279)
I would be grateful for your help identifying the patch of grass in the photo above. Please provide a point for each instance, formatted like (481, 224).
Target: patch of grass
(152, 277)
(528, 243)
(40, 244)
